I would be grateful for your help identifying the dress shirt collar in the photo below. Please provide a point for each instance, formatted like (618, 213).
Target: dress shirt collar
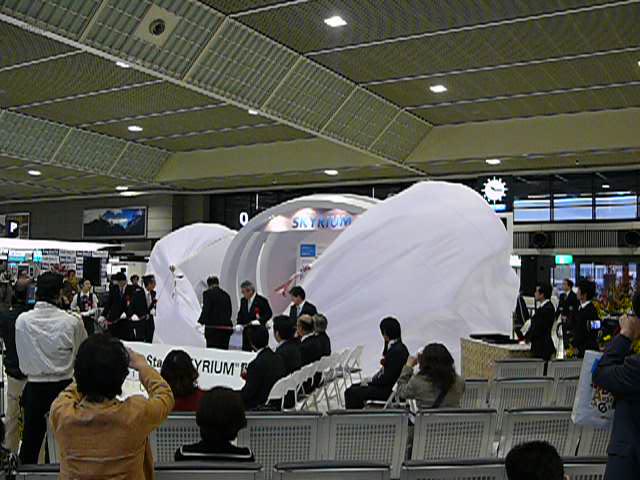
(307, 336)
(544, 303)
(583, 305)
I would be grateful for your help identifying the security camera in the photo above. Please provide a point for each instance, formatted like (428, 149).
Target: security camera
(157, 27)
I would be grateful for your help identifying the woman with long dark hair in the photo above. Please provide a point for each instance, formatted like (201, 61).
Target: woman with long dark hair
(179, 372)
(436, 384)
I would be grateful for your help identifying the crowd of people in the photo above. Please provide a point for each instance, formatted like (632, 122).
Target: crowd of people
(58, 369)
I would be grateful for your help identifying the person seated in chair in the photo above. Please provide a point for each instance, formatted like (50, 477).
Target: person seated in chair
(309, 346)
(320, 324)
(394, 358)
(220, 417)
(263, 372)
(288, 346)
(534, 461)
(436, 384)
(179, 372)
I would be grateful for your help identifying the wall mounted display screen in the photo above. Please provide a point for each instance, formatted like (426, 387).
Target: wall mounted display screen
(114, 223)
(15, 225)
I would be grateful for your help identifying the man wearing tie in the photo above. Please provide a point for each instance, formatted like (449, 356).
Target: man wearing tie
(254, 310)
(216, 315)
(587, 323)
(143, 309)
(116, 308)
(539, 334)
(299, 304)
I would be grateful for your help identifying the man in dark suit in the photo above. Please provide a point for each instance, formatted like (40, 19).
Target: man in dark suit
(619, 373)
(567, 308)
(309, 346)
(254, 310)
(539, 333)
(133, 287)
(143, 309)
(394, 358)
(263, 372)
(299, 304)
(587, 323)
(116, 308)
(216, 315)
(288, 346)
(320, 324)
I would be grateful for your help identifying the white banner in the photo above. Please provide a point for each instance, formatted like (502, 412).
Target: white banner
(216, 367)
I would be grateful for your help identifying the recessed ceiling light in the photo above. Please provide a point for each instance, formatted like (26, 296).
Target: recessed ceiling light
(122, 188)
(606, 186)
(130, 194)
(34, 173)
(122, 64)
(135, 128)
(331, 172)
(253, 112)
(335, 21)
(438, 88)
(493, 161)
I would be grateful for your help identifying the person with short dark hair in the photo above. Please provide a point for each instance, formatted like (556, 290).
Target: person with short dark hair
(585, 333)
(116, 308)
(216, 315)
(254, 310)
(288, 346)
(85, 302)
(179, 372)
(395, 355)
(98, 435)
(263, 372)
(134, 285)
(567, 309)
(299, 304)
(436, 384)
(220, 417)
(143, 310)
(539, 332)
(47, 339)
(534, 461)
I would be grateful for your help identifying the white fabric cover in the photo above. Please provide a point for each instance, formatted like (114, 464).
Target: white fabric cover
(435, 256)
(197, 252)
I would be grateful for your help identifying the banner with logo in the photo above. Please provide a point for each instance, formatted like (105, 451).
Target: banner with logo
(216, 367)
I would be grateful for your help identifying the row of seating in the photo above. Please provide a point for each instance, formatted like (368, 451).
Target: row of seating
(530, 367)
(383, 435)
(582, 469)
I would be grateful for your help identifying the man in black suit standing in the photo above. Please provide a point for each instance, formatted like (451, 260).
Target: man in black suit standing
(587, 324)
(619, 373)
(133, 287)
(567, 308)
(288, 346)
(216, 315)
(299, 304)
(254, 310)
(539, 333)
(116, 308)
(394, 358)
(143, 309)
(263, 372)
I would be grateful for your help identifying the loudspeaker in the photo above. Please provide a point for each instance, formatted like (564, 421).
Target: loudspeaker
(91, 270)
(539, 240)
(629, 238)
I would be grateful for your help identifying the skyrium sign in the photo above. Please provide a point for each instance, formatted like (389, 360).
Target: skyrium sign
(321, 221)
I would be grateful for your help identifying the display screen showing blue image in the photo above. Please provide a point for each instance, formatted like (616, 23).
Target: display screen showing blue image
(115, 223)
(308, 250)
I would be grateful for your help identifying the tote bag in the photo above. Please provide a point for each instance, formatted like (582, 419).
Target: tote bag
(593, 406)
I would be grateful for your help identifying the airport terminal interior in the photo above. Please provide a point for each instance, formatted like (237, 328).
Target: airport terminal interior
(320, 239)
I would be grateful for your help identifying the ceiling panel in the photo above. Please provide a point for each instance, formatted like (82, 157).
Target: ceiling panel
(246, 136)
(145, 99)
(25, 137)
(233, 6)
(208, 118)
(544, 38)
(400, 137)
(20, 46)
(529, 106)
(581, 72)
(300, 25)
(63, 77)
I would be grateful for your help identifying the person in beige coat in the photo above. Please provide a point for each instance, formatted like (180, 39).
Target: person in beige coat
(436, 384)
(100, 436)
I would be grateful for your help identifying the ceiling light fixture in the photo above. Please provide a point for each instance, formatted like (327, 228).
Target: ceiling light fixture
(122, 188)
(130, 194)
(122, 64)
(438, 88)
(34, 173)
(253, 112)
(331, 172)
(606, 186)
(135, 128)
(493, 161)
(335, 21)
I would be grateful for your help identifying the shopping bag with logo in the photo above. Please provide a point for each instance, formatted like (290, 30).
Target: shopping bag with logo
(593, 406)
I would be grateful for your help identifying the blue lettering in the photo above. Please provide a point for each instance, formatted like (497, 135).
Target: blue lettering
(295, 222)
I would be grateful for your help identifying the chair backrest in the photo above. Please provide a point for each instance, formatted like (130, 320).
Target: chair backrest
(331, 470)
(565, 391)
(564, 368)
(552, 425)
(513, 393)
(354, 358)
(594, 442)
(177, 430)
(209, 470)
(372, 435)
(277, 437)
(585, 468)
(38, 472)
(457, 470)
(476, 393)
(520, 367)
(281, 387)
(453, 434)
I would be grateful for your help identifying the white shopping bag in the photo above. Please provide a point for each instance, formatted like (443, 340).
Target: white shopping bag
(593, 406)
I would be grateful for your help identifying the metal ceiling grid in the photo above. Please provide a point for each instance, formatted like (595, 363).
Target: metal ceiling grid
(549, 36)
(401, 137)
(29, 138)
(234, 6)
(78, 74)
(19, 46)
(139, 161)
(88, 151)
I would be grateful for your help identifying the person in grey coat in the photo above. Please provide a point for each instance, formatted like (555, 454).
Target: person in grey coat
(436, 384)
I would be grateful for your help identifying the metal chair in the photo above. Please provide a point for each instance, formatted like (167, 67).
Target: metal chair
(552, 425)
(476, 393)
(330, 470)
(490, 469)
(277, 437)
(209, 471)
(594, 442)
(373, 435)
(585, 468)
(514, 393)
(564, 368)
(353, 364)
(177, 430)
(38, 472)
(280, 389)
(519, 367)
(452, 434)
(565, 391)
